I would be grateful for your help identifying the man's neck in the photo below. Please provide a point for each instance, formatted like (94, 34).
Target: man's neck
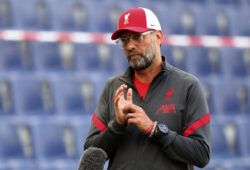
(148, 74)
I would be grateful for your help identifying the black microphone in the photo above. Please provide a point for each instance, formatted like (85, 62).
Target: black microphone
(93, 159)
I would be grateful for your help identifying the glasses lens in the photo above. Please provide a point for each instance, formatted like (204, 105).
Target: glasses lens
(136, 38)
(120, 42)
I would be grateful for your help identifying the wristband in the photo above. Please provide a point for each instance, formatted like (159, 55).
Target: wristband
(149, 129)
(153, 130)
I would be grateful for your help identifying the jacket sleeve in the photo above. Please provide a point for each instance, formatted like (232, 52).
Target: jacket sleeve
(104, 133)
(193, 146)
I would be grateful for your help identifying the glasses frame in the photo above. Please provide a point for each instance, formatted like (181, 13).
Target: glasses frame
(123, 41)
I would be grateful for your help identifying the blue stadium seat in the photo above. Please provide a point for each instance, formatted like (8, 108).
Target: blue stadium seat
(10, 56)
(49, 56)
(229, 97)
(167, 52)
(202, 62)
(120, 63)
(74, 96)
(31, 15)
(6, 102)
(177, 57)
(32, 96)
(233, 63)
(94, 57)
(219, 142)
(240, 24)
(50, 141)
(244, 137)
(212, 21)
(15, 147)
(176, 18)
(81, 128)
(5, 14)
(10, 143)
(54, 144)
(70, 15)
(224, 143)
(207, 85)
(104, 20)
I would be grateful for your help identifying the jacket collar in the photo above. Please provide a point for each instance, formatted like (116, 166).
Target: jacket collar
(127, 76)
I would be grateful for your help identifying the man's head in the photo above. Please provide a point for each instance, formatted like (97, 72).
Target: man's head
(137, 20)
(139, 35)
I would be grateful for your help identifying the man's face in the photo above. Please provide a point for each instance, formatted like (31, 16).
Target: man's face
(140, 56)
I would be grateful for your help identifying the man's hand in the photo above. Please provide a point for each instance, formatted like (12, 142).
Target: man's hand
(137, 116)
(120, 102)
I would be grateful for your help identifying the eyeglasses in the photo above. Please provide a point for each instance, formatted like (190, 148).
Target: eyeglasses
(136, 39)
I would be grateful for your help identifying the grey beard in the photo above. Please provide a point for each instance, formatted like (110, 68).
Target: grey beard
(143, 63)
(146, 59)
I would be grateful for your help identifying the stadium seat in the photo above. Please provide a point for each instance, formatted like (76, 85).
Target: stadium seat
(229, 97)
(94, 57)
(32, 96)
(240, 24)
(5, 14)
(74, 96)
(219, 142)
(70, 15)
(31, 15)
(178, 57)
(225, 146)
(212, 21)
(6, 103)
(120, 63)
(16, 149)
(177, 18)
(167, 52)
(54, 144)
(52, 56)
(104, 20)
(234, 64)
(244, 137)
(11, 58)
(50, 141)
(202, 61)
(10, 143)
(81, 129)
(207, 86)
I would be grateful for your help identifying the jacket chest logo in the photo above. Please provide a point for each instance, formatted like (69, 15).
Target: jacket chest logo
(167, 108)
(168, 95)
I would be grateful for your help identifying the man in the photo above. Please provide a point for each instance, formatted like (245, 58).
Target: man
(154, 116)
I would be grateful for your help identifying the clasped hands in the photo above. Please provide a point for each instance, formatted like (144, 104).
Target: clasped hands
(127, 112)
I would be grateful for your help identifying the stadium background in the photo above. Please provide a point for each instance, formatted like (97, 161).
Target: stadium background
(56, 55)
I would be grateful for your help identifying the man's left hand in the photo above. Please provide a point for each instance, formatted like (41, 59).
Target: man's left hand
(136, 115)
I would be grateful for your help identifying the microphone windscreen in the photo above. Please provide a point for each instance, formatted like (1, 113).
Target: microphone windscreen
(93, 159)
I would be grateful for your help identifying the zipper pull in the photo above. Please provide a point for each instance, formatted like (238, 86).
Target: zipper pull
(141, 102)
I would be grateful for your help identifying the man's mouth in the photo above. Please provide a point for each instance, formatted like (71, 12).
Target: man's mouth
(134, 56)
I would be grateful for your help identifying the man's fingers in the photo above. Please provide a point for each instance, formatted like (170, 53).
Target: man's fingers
(129, 96)
(130, 108)
(117, 99)
(120, 90)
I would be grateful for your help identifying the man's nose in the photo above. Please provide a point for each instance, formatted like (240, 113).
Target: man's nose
(130, 45)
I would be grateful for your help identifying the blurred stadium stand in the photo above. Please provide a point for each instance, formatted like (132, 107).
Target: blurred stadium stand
(48, 90)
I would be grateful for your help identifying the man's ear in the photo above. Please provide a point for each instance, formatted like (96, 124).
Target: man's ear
(159, 36)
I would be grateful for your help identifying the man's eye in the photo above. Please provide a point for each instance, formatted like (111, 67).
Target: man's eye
(136, 37)
(124, 40)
